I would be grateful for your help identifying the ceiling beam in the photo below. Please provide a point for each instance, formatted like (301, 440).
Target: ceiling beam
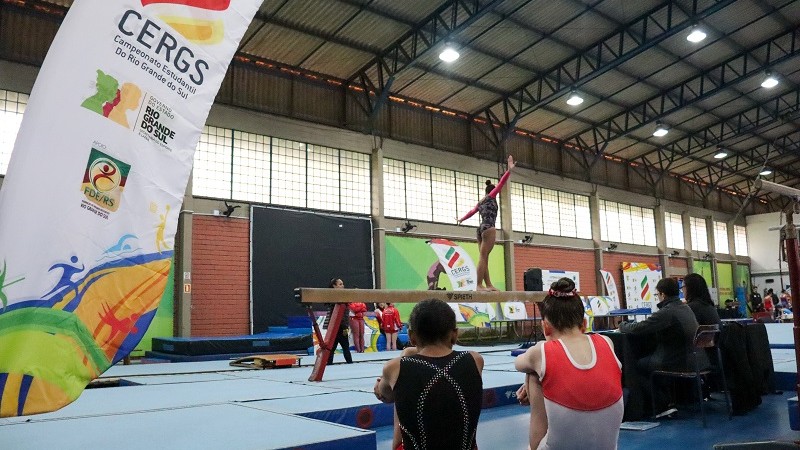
(449, 19)
(777, 49)
(781, 109)
(613, 50)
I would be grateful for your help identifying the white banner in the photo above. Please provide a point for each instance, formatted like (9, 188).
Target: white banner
(456, 263)
(551, 276)
(90, 204)
(611, 287)
(460, 269)
(640, 284)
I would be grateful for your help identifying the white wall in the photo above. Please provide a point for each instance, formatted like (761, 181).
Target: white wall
(762, 243)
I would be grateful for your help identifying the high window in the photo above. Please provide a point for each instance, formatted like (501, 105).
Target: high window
(235, 165)
(12, 106)
(697, 226)
(433, 194)
(673, 226)
(740, 240)
(546, 211)
(627, 224)
(721, 237)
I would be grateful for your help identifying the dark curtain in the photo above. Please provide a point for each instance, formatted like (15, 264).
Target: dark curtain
(304, 249)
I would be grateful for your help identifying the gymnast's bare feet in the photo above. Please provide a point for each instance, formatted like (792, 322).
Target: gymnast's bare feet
(481, 288)
(492, 288)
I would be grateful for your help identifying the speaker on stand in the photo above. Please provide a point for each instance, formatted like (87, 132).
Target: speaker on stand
(533, 282)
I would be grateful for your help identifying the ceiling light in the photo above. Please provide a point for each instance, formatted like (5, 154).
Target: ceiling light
(661, 130)
(574, 99)
(770, 81)
(696, 35)
(449, 54)
(765, 172)
(721, 154)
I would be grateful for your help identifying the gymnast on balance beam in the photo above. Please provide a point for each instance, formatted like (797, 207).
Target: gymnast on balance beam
(487, 233)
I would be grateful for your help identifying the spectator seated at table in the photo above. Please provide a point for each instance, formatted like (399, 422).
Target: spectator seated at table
(673, 326)
(785, 300)
(731, 310)
(573, 379)
(695, 290)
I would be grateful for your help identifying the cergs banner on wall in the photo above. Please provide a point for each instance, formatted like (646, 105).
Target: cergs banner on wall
(89, 207)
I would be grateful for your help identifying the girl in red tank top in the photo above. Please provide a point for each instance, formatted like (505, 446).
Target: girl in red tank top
(571, 378)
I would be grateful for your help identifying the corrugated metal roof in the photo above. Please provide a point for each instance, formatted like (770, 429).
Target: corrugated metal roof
(624, 11)
(282, 45)
(410, 10)
(373, 31)
(544, 55)
(584, 31)
(508, 48)
(469, 99)
(323, 16)
(337, 60)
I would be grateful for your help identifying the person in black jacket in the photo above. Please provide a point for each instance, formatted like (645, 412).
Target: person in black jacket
(699, 300)
(343, 333)
(673, 327)
(756, 302)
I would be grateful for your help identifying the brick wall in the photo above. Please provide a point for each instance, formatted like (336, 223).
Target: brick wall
(612, 262)
(220, 276)
(581, 261)
(679, 263)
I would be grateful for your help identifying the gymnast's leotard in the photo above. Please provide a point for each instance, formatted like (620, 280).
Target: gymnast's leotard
(487, 207)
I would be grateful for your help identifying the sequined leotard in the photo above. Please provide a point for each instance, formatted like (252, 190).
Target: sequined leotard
(487, 207)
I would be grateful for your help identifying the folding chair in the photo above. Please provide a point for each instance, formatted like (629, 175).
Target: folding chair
(707, 336)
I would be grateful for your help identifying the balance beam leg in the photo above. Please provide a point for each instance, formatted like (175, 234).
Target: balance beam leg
(327, 346)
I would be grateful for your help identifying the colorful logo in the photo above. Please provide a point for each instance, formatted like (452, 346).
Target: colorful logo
(104, 180)
(453, 258)
(193, 19)
(112, 100)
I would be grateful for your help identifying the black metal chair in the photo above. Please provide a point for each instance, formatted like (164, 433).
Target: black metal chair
(707, 337)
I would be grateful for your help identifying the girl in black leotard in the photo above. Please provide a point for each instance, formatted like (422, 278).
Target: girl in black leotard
(487, 234)
(437, 391)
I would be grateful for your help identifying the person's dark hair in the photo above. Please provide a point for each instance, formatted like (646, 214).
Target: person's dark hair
(489, 186)
(668, 287)
(333, 282)
(432, 321)
(697, 289)
(562, 307)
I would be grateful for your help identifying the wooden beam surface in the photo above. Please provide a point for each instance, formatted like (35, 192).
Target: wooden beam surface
(328, 295)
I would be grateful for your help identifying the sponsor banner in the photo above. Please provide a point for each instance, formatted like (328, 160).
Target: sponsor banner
(455, 262)
(611, 287)
(725, 280)
(640, 281)
(417, 264)
(595, 306)
(514, 310)
(551, 276)
(90, 203)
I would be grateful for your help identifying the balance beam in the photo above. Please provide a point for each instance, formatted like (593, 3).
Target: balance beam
(329, 295)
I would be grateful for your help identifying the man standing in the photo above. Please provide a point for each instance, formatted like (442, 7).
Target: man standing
(756, 303)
